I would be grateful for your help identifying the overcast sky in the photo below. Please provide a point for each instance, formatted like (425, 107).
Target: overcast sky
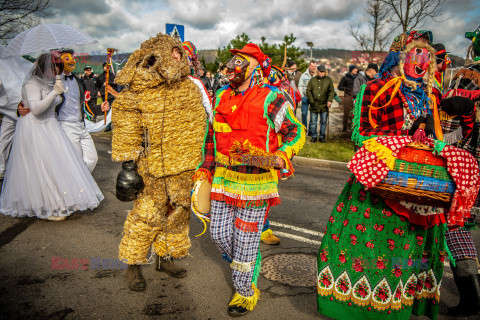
(209, 24)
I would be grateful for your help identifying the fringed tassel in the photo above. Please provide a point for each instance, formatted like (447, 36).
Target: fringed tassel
(445, 116)
(357, 138)
(453, 137)
(438, 146)
(284, 174)
(238, 177)
(258, 267)
(246, 153)
(246, 226)
(420, 136)
(471, 94)
(248, 303)
(203, 174)
(382, 152)
(245, 203)
(241, 266)
(270, 98)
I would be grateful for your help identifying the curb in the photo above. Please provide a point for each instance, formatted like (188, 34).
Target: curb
(319, 163)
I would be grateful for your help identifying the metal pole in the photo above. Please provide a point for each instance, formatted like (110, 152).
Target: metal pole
(311, 53)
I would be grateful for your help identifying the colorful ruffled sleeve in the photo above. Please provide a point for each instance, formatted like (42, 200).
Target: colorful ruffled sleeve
(281, 117)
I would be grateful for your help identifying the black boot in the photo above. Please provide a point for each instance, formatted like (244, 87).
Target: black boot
(167, 265)
(135, 279)
(469, 291)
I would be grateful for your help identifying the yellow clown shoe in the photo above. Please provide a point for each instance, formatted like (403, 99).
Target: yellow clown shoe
(241, 305)
(268, 237)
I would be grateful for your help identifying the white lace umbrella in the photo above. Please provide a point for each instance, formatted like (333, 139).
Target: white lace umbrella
(46, 37)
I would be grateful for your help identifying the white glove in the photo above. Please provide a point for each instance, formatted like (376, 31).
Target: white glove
(58, 87)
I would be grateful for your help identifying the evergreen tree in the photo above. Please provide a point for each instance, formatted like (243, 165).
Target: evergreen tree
(276, 52)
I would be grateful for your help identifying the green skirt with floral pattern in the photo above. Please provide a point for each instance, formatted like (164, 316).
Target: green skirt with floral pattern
(373, 264)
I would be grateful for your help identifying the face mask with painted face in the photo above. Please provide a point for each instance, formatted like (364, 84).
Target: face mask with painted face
(416, 63)
(237, 70)
(68, 62)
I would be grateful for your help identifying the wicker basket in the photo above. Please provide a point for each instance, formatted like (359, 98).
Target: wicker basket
(412, 188)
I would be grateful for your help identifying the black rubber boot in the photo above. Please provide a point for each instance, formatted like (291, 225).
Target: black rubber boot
(469, 291)
(167, 265)
(237, 311)
(135, 279)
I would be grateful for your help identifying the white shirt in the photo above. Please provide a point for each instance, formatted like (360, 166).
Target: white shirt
(71, 110)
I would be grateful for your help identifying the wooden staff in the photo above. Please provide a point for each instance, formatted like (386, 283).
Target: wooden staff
(107, 74)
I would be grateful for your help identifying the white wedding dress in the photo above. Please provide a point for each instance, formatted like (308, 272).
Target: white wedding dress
(45, 176)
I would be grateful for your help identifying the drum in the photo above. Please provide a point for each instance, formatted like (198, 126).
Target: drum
(201, 197)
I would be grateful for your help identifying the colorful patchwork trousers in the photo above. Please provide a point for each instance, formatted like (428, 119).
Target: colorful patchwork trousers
(160, 217)
(236, 232)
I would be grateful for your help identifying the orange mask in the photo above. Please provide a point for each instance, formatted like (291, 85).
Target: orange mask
(68, 62)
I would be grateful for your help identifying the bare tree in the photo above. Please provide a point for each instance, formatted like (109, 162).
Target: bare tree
(18, 15)
(375, 39)
(410, 14)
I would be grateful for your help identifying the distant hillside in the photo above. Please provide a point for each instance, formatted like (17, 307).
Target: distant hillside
(329, 53)
(96, 61)
(209, 55)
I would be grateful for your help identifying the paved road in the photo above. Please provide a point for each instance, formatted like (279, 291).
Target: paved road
(31, 289)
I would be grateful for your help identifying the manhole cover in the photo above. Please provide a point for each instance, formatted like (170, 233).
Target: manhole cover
(295, 269)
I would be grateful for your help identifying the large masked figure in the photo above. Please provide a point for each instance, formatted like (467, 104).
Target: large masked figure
(461, 121)
(254, 133)
(383, 258)
(159, 123)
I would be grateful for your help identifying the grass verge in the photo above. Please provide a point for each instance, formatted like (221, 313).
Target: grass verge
(334, 150)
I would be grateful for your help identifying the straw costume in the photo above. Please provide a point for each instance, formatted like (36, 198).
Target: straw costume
(460, 120)
(159, 123)
(382, 258)
(254, 133)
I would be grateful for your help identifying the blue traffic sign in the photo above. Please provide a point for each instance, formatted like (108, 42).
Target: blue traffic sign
(175, 30)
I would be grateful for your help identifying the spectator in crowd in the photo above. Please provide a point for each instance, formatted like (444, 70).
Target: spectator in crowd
(100, 85)
(320, 94)
(89, 81)
(372, 70)
(346, 85)
(211, 82)
(296, 77)
(221, 78)
(302, 86)
(291, 70)
(203, 77)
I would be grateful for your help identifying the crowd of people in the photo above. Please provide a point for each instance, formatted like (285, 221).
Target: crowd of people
(178, 128)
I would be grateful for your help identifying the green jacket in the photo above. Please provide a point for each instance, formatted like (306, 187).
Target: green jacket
(319, 92)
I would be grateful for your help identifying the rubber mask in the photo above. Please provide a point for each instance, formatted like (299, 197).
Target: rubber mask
(416, 63)
(68, 62)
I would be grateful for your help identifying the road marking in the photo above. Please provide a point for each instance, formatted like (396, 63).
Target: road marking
(298, 238)
(287, 226)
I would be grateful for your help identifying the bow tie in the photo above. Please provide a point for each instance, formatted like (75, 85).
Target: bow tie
(69, 77)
